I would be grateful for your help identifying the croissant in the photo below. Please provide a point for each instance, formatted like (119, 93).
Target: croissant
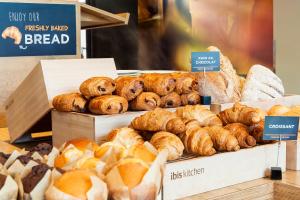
(257, 131)
(165, 140)
(161, 84)
(200, 113)
(222, 139)
(125, 136)
(72, 102)
(13, 33)
(108, 105)
(196, 140)
(159, 120)
(278, 110)
(241, 114)
(191, 98)
(97, 86)
(240, 131)
(171, 100)
(185, 83)
(145, 101)
(129, 87)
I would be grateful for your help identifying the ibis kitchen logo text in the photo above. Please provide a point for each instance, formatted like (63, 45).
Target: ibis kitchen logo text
(32, 29)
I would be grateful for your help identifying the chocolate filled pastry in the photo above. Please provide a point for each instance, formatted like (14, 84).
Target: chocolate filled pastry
(72, 102)
(161, 84)
(191, 98)
(129, 87)
(171, 100)
(145, 101)
(8, 188)
(42, 148)
(3, 158)
(24, 159)
(97, 86)
(185, 83)
(2, 180)
(108, 105)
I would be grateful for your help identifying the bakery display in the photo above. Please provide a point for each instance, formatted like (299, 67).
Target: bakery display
(145, 101)
(241, 132)
(171, 100)
(97, 86)
(108, 104)
(192, 98)
(200, 113)
(72, 102)
(161, 84)
(261, 83)
(242, 114)
(167, 141)
(159, 120)
(129, 87)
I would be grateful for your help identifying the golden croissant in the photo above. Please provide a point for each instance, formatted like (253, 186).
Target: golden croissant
(222, 139)
(240, 131)
(161, 84)
(165, 140)
(13, 33)
(108, 105)
(145, 101)
(129, 87)
(171, 100)
(72, 102)
(257, 131)
(159, 120)
(97, 86)
(197, 140)
(200, 113)
(242, 114)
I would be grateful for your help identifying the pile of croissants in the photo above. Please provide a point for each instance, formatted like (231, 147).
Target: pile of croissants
(103, 95)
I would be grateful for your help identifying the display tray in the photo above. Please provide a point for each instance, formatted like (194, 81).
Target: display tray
(193, 175)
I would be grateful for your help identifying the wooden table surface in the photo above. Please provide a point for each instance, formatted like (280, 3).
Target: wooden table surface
(260, 189)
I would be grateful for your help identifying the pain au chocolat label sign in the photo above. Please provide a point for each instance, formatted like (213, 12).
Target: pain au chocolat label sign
(34, 29)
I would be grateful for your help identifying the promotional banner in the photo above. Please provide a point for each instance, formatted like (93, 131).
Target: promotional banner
(281, 128)
(32, 29)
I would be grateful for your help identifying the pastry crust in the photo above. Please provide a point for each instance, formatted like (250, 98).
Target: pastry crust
(241, 133)
(278, 110)
(197, 140)
(159, 120)
(165, 140)
(185, 83)
(191, 98)
(72, 102)
(242, 114)
(125, 136)
(108, 105)
(161, 84)
(222, 139)
(200, 113)
(129, 87)
(171, 100)
(145, 101)
(97, 86)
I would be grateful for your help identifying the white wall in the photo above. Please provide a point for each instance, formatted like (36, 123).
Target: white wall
(287, 39)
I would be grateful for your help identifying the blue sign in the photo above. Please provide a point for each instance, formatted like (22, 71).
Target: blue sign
(34, 29)
(281, 128)
(205, 61)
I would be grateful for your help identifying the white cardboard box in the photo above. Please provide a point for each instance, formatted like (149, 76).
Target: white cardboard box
(293, 155)
(192, 176)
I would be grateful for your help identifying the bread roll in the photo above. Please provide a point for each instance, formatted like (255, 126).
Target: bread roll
(72, 102)
(129, 87)
(125, 136)
(97, 86)
(165, 140)
(191, 98)
(171, 100)
(145, 101)
(108, 105)
(161, 84)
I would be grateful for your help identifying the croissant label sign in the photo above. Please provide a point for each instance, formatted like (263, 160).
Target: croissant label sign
(281, 128)
(205, 61)
(35, 29)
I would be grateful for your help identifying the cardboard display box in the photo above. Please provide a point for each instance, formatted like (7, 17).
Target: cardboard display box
(18, 61)
(31, 101)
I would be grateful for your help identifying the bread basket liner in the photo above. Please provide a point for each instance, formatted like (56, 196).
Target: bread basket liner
(9, 191)
(12, 158)
(17, 168)
(149, 187)
(98, 191)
